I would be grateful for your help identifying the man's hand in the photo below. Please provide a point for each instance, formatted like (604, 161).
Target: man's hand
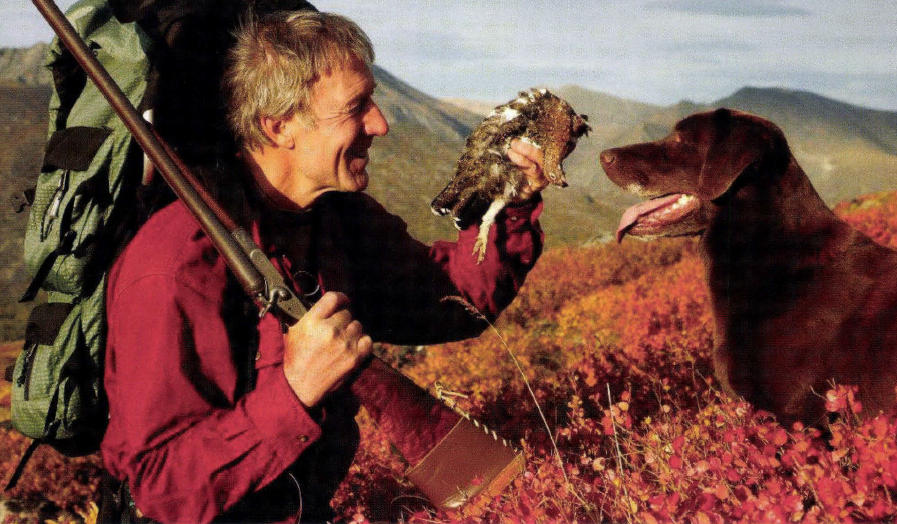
(528, 159)
(323, 348)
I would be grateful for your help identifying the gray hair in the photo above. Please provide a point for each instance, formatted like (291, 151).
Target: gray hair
(275, 63)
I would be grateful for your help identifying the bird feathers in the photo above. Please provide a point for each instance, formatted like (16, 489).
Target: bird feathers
(486, 180)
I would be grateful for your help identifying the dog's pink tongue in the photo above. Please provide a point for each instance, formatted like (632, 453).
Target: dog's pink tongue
(631, 215)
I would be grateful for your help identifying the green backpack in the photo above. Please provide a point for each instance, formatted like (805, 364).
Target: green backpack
(83, 212)
(91, 196)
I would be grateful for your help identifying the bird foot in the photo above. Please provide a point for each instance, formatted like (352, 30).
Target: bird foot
(479, 250)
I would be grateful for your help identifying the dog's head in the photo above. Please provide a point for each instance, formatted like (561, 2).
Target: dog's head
(687, 174)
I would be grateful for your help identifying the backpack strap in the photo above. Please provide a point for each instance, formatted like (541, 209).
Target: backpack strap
(20, 468)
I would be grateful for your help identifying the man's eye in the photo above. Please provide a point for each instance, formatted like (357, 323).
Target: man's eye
(359, 107)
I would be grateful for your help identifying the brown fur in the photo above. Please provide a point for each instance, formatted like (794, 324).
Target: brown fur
(800, 299)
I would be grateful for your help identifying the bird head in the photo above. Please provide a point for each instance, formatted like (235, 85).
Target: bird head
(562, 127)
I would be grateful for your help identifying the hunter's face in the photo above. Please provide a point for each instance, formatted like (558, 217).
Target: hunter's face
(332, 155)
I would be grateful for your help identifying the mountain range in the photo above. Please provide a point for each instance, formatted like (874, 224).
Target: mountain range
(846, 150)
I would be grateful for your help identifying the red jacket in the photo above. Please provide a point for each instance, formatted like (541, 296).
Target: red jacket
(185, 431)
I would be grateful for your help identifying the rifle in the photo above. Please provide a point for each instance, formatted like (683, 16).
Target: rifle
(452, 458)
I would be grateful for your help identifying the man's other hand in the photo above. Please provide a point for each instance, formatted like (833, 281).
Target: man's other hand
(529, 159)
(323, 348)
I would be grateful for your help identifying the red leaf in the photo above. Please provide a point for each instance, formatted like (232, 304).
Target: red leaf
(676, 462)
(780, 437)
(678, 442)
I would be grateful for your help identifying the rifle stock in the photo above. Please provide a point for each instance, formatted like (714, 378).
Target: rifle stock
(448, 469)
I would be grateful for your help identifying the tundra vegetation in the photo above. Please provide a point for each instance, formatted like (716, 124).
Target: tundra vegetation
(614, 342)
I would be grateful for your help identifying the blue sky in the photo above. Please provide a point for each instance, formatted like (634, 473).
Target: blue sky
(658, 51)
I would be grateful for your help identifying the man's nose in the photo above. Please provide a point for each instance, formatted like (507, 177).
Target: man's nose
(374, 122)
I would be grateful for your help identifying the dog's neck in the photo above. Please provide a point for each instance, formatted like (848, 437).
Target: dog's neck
(777, 222)
(769, 240)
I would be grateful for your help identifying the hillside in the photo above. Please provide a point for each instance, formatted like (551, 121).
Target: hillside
(402, 104)
(846, 150)
(809, 116)
(24, 66)
(479, 107)
(23, 127)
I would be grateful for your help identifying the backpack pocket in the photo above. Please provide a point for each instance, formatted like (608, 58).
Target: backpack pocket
(56, 394)
(67, 222)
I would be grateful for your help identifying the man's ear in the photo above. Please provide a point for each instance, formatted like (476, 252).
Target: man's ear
(278, 131)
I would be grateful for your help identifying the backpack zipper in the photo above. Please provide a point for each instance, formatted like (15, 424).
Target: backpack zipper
(53, 211)
(24, 380)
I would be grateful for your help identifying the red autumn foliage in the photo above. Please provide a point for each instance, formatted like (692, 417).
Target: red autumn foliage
(615, 343)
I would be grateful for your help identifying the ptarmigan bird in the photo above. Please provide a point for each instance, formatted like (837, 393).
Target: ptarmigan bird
(486, 180)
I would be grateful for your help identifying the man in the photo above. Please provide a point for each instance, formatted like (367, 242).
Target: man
(215, 414)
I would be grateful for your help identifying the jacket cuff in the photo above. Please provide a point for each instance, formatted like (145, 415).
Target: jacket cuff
(285, 426)
(522, 214)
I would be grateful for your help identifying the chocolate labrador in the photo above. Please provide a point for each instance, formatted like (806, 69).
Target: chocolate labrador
(800, 299)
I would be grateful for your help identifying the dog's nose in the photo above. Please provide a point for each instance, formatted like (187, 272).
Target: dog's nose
(608, 157)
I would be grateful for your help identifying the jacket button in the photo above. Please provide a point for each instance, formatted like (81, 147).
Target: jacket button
(258, 355)
(303, 438)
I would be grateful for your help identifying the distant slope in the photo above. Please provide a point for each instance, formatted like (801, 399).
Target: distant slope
(24, 66)
(808, 116)
(23, 128)
(479, 107)
(604, 109)
(403, 104)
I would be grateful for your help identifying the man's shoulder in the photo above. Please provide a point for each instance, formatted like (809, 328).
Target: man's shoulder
(170, 245)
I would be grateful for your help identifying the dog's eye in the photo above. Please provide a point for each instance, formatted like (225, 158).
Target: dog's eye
(683, 138)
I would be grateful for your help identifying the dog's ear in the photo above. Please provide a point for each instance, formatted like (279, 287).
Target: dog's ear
(738, 141)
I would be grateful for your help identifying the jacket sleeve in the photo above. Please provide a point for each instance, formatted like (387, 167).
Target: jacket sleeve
(418, 294)
(188, 448)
